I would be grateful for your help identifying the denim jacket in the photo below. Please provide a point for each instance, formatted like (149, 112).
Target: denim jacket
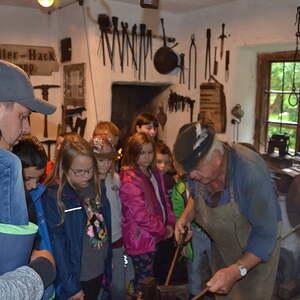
(13, 202)
(66, 238)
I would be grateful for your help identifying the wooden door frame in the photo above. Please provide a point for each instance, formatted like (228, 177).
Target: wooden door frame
(263, 71)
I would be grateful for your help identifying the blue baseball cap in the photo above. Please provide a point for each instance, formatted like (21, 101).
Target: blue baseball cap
(15, 86)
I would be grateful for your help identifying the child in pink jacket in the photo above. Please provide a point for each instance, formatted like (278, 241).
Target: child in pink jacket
(147, 215)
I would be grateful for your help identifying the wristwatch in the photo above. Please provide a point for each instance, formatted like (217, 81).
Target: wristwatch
(242, 269)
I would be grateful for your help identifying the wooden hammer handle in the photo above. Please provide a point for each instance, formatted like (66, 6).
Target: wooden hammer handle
(201, 294)
(177, 253)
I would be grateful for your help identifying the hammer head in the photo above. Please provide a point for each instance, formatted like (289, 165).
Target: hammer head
(46, 86)
(45, 89)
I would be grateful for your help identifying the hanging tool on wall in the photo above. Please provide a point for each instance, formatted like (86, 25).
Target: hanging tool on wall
(123, 47)
(128, 44)
(181, 75)
(215, 71)
(102, 43)
(45, 95)
(149, 43)
(142, 51)
(177, 102)
(165, 59)
(192, 52)
(213, 105)
(115, 21)
(207, 54)
(131, 47)
(134, 43)
(105, 28)
(222, 37)
(227, 62)
(191, 103)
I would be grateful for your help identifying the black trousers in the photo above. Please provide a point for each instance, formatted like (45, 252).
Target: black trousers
(91, 288)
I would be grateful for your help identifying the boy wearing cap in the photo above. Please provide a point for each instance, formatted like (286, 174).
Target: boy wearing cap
(236, 204)
(17, 101)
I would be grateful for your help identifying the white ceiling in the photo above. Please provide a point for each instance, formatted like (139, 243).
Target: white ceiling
(176, 6)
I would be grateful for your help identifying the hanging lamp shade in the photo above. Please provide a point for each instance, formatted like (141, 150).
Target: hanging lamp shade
(46, 3)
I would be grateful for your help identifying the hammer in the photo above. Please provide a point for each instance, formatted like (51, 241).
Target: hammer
(45, 94)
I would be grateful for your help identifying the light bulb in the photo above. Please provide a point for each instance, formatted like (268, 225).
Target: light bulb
(46, 3)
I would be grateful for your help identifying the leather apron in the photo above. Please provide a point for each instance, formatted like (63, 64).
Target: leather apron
(229, 230)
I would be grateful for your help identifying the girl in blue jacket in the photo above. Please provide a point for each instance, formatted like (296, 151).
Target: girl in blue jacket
(76, 225)
(34, 159)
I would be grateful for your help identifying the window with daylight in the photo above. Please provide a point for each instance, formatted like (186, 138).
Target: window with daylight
(277, 102)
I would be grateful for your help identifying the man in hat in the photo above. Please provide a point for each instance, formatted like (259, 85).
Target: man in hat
(236, 204)
(17, 101)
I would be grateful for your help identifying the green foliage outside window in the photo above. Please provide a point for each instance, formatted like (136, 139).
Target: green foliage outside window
(281, 110)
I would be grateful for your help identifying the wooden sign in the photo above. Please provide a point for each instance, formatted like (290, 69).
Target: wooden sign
(34, 60)
(213, 106)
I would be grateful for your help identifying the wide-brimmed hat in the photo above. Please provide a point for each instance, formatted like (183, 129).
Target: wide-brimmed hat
(192, 144)
(15, 86)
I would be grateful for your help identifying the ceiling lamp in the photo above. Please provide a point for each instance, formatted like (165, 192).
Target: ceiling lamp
(46, 3)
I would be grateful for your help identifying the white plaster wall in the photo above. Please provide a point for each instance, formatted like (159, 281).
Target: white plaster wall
(255, 27)
(25, 26)
(72, 24)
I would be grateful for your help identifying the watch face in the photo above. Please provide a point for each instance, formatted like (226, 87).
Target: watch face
(243, 270)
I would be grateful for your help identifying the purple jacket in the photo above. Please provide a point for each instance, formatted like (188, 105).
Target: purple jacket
(143, 225)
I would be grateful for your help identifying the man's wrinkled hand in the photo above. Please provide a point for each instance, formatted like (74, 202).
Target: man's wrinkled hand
(224, 279)
(180, 228)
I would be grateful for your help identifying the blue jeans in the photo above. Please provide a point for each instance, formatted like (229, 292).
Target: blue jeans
(201, 244)
(13, 208)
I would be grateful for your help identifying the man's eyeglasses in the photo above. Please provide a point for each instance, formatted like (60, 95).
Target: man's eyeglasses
(82, 172)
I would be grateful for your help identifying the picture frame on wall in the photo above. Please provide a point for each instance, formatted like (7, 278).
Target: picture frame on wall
(74, 84)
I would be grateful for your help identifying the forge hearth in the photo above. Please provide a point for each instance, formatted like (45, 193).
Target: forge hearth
(129, 99)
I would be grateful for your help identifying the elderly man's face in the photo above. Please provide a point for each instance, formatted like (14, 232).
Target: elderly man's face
(13, 124)
(211, 172)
